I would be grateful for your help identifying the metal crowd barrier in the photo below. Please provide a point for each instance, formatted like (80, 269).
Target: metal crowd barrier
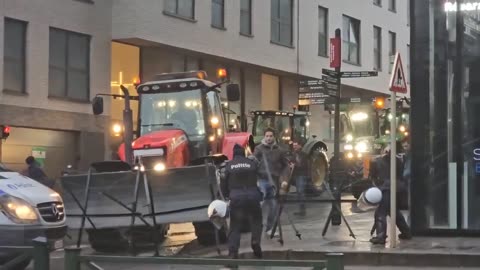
(74, 260)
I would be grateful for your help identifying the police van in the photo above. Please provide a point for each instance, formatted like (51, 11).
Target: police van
(28, 210)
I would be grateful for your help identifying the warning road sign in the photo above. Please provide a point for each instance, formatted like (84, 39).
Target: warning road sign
(398, 82)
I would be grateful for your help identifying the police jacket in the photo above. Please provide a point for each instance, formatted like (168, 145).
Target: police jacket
(381, 170)
(240, 179)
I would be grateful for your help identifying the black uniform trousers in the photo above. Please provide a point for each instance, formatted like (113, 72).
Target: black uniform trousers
(241, 209)
(381, 214)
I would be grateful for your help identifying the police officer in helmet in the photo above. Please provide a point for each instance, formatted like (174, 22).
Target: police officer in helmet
(240, 186)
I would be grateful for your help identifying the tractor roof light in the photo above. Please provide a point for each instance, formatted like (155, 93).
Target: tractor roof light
(359, 116)
(222, 73)
(379, 103)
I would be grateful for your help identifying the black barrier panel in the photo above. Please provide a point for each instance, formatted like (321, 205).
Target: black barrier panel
(183, 194)
(107, 193)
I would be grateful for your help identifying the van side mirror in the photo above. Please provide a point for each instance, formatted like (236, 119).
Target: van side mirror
(233, 92)
(97, 105)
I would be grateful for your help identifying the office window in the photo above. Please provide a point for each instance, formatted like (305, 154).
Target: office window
(392, 48)
(351, 40)
(377, 2)
(322, 31)
(377, 48)
(14, 55)
(69, 65)
(392, 5)
(182, 8)
(218, 13)
(282, 22)
(246, 17)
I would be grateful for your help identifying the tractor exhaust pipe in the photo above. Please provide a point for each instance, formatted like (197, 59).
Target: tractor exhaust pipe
(128, 125)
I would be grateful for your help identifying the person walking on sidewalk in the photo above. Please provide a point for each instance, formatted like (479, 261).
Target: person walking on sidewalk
(381, 170)
(240, 186)
(273, 163)
(300, 174)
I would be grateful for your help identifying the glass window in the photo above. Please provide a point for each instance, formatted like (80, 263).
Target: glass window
(392, 5)
(322, 31)
(14, 55)
(182, 8)
(377, 48)
(246, 17)
(182, 109)
(351, 40)
(282, 22)
(218, 13)
(392, 48)
(377, 2)
(69, 65)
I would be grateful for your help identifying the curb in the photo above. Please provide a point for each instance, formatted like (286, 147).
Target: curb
(380, 258)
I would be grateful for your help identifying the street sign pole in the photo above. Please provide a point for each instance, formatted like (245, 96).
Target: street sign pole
(393, 172)
(336, 136)
(336, 216)
(397, 84)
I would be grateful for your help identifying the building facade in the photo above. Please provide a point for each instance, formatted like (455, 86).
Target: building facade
(445, 102)
(266, 45)
(55, 57)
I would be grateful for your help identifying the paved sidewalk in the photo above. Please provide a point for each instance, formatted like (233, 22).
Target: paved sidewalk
(420, 251)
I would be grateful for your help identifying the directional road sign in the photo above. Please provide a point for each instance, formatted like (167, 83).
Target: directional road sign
(331, 73)
(359, 74)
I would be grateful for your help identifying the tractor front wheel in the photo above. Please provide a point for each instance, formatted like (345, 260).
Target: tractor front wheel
(319, 169)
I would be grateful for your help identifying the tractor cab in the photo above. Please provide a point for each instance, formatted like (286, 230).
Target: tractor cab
(288, 126)
(188, 102)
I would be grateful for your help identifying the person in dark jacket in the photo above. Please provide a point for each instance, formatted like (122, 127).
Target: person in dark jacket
(268, 153)
(381, 170)
(36, 173)
(300, 174)
(240, 186)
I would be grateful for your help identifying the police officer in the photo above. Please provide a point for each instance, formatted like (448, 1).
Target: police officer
(381, 170)
(240, 186)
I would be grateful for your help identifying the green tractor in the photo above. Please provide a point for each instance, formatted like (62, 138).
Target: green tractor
(291, 126)
(384, 123)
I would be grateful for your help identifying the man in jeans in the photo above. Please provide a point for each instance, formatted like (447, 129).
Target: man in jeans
(300, 174)
(272, 160)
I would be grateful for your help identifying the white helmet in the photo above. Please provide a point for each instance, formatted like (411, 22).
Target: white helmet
(369, 199)
(217, 213)
(373, 195)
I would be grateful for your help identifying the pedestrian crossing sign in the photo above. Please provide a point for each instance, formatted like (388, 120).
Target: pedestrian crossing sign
(398, 82)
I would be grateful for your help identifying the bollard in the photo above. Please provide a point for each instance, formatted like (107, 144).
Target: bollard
(334, 261)
(72, 260)
(41, 254)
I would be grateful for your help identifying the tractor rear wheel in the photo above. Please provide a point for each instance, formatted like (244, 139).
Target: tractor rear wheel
(319, 163)
(205, 232)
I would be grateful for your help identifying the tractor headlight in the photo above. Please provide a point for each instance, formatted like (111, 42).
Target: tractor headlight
(362, 147)
(18, 210)
(159, 167)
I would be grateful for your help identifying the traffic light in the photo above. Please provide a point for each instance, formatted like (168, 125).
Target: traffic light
(5, 132)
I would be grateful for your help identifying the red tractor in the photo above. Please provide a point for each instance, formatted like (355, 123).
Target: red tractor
(181, 121)
(182, 138)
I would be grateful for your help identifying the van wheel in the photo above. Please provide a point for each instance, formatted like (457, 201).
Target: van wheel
(205, 232)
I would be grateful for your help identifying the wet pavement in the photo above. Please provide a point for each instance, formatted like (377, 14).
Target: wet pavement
(181, 242)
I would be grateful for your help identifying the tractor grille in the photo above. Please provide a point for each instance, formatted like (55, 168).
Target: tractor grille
(52, 211)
